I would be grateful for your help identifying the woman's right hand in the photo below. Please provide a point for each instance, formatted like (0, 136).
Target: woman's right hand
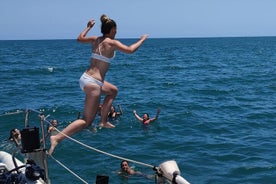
(91, 23)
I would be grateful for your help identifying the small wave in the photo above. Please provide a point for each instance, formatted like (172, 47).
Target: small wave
(50, 69)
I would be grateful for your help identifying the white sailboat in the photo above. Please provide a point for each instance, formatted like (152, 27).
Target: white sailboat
(33, 169)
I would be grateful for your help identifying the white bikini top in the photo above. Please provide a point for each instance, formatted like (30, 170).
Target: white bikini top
(101, 57)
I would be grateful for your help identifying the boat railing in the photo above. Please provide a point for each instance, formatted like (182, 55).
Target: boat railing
(34, 145)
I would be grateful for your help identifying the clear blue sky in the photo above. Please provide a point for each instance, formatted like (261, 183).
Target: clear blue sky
(65, 19)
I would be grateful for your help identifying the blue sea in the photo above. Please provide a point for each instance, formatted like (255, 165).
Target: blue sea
(217, 98)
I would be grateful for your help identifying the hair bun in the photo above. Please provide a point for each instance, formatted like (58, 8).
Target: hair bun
(104, 18)
(107, 24)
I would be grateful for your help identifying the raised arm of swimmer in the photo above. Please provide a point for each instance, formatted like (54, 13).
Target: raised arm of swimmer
(146, 119)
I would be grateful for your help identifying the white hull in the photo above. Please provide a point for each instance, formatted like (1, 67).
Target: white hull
(6, 163)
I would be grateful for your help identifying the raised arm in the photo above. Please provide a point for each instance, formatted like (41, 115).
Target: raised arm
(137, 116)
(16, 141)
(120, 110)
(156, 116)
(129, 49)
(82, 36)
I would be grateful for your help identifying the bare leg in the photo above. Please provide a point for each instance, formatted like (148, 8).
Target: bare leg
(71, 129)
(92, 98)
(111, 91)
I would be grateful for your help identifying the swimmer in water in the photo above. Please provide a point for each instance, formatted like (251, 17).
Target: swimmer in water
(146, 120)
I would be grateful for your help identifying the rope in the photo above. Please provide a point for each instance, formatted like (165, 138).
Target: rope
(105, 153)
(68, 169)
(12, 113)
(85, 145)
(94, 149)
(100, 151)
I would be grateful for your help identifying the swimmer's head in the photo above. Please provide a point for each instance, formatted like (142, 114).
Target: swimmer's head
(54, 122)
(145, 117)
(112, 108)
(14, 133)
(108, 25)
(124, 165)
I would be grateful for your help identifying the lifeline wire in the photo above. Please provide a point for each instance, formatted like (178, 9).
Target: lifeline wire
(97, 150)
(11, 113)
(67, 169)
(103, 152)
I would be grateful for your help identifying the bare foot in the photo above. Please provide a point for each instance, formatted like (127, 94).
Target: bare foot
(106, 125)
(54, 143)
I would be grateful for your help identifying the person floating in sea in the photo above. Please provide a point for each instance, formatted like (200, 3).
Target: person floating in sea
(92, 81)
(15, 136)
(127, 170)
(52, 128)
(113, 114)
(146, 120)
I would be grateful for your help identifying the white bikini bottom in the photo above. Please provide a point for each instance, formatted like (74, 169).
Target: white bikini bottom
(87, 79)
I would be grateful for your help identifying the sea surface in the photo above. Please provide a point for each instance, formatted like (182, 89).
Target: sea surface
(217, 98)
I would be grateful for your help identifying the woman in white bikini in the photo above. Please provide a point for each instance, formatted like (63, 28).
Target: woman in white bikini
(92, 81)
